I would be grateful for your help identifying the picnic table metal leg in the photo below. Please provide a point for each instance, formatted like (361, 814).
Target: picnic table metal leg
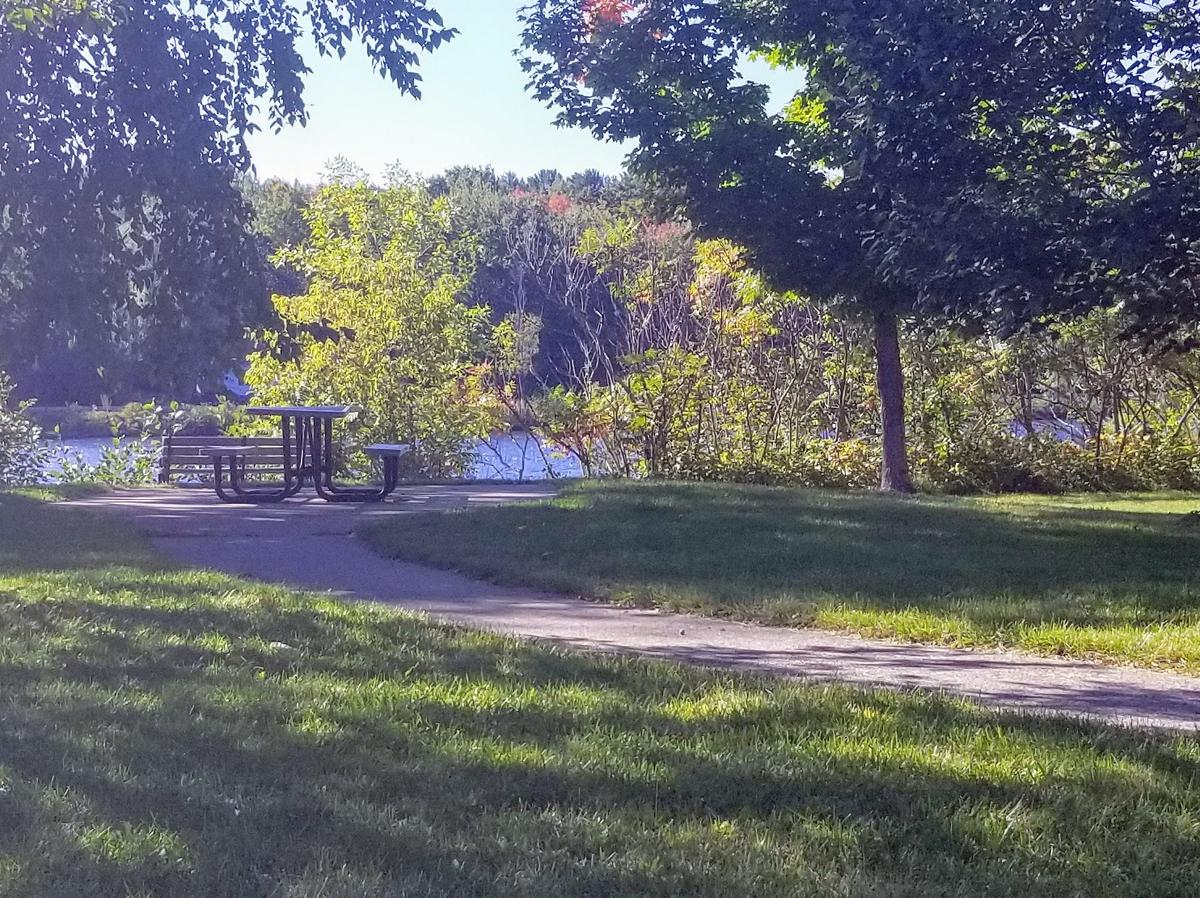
(321, 441)
(252, 494)
(323, 465)
(219, 481)
(306, 453)
(391, 474)
(240, 494)
(293, 479)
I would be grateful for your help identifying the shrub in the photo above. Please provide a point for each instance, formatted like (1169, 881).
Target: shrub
(22, 455)
(381, 326)
(1003, 463)
(990, 463)
(825, 463)
(127, 460)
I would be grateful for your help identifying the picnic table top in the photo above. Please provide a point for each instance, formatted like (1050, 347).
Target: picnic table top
(300, 411)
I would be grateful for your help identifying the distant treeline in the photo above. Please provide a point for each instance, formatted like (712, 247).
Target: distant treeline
(155, 339)
(586, 310)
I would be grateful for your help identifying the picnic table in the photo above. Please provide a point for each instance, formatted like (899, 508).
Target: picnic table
(308, 459)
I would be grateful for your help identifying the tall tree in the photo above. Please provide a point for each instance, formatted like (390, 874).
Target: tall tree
(976, 160)
(383, 323)
(125, 123)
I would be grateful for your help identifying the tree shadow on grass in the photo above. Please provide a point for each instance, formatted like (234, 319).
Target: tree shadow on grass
(391, 756)
(37, 536)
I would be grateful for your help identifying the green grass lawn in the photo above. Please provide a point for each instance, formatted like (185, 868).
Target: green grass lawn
(167, 732)
(1109, 577)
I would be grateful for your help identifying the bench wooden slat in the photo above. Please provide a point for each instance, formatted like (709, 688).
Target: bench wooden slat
(256, 451)
(191, 457)
(196, 454)
(206, 462)
(207, 466)
(194, 441)
(238, 452)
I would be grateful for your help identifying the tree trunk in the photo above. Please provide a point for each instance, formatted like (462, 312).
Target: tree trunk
(889, 376)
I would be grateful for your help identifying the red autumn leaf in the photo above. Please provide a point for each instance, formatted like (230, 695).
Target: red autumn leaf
(600, 13)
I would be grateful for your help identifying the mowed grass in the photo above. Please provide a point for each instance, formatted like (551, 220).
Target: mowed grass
(1115, 578)
(167, 732)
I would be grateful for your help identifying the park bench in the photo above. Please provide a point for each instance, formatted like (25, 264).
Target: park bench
(231, 462)
(184, 458)
(238, 462)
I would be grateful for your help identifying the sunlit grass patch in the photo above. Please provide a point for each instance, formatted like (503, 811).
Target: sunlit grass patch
(133, 847)
(1114, 578)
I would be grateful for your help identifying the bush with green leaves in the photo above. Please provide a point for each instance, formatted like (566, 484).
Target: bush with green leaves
(86, 422)
(382, 327)
(22, 454)
(129, 459)
(713, 376)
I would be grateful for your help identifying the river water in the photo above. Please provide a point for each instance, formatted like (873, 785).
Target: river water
(516, 456)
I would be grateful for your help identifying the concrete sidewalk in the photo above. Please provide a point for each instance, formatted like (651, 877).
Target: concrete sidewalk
(311, 545)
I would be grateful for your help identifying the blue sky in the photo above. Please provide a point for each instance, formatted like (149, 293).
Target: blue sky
(474, 111)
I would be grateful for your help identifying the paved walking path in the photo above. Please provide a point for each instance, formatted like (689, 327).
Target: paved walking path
(310, 544)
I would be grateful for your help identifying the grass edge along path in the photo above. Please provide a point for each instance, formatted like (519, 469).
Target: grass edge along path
(1107, 578)
(170, 731)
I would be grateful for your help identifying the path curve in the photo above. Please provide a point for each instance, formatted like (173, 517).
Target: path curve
(310, 544)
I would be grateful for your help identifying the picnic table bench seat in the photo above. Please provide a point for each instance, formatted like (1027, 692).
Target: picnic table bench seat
(303, 453)
(384, 450)
(389, 455)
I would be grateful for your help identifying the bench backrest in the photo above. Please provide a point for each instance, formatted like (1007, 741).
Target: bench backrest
(182, 458)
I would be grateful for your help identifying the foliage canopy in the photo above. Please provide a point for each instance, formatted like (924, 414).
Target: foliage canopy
(124, 123)
(984, 157)
(976, 160)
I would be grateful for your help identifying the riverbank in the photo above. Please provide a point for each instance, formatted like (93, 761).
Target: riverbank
(502, 458)
(71, 422)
